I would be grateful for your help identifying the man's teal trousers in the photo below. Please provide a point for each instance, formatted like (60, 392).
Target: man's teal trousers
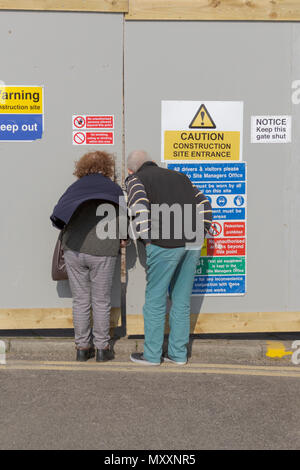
(172, 268)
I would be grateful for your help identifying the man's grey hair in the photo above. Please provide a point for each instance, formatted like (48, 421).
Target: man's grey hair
(136, 159)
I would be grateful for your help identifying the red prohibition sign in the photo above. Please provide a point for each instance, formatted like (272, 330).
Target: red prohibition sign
(79, 122)
(215, 229)
(79, 138)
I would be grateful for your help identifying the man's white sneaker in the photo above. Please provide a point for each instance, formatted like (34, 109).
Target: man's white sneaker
(139, 359)
(166, 358)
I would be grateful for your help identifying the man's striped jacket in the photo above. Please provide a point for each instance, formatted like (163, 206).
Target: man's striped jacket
(153, 185)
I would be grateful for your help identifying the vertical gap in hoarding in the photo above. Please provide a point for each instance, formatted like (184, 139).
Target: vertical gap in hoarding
(123, 250)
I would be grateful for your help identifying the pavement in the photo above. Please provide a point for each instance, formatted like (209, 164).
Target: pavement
(236, 392)
(262, 349)
(64, 405)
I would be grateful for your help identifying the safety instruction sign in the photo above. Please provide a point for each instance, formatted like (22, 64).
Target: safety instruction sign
(84, 121)
(208, 131)
(86, 129)
(222, 266)
(271, 129)
(93, 138)
(21, 113)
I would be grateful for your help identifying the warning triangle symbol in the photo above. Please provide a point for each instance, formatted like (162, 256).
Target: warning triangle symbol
(202, 119)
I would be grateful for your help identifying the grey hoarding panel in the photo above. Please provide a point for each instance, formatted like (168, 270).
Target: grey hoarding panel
(78, 59)
(249, 62)
(292, 227)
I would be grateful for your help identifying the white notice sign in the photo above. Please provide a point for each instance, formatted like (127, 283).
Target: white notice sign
(194, 131)
(271, 129)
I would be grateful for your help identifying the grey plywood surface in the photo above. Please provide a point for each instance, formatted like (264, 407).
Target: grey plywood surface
(78, 58)
(250, 62)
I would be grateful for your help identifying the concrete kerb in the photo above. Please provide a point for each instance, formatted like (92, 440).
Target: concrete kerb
(62, 346)
(200, 350)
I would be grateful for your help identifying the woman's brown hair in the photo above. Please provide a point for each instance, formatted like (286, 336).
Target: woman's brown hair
(95, 162)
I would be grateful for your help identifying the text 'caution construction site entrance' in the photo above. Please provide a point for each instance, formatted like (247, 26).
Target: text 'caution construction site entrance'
(202, 131)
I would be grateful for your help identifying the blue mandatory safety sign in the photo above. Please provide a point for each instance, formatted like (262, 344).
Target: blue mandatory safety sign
(238, 200)
(21, 127)
(224, 250)
(221, 201)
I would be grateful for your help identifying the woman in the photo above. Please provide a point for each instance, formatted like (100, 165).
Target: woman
(90, 260)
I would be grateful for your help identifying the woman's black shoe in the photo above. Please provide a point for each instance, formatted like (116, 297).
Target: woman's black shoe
(85, 354)
(104, 355)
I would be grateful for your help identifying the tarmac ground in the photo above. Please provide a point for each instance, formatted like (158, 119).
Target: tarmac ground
(234, 393)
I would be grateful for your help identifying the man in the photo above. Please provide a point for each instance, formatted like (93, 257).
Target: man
(170, 264)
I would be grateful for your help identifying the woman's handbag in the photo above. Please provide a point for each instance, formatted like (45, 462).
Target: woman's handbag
(59, 272)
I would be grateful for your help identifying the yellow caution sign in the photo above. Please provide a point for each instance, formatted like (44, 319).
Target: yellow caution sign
(205, 145)
(21, 100)
(202, 119)
(214, 134)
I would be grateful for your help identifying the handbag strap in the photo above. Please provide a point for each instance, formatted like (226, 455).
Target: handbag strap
(61, 234)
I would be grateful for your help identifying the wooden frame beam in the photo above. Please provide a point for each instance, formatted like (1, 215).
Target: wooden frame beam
(205, 10)
(250, 322)
(215, 10)
(113, 6)
(44, 318)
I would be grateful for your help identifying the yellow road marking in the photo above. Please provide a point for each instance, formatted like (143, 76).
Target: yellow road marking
(225, 369)
(277, 349)
(92, 363)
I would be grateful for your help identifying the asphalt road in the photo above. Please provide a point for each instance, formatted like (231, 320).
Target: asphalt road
(124, 406)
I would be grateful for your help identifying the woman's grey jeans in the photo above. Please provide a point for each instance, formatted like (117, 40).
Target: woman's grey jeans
(90, 280)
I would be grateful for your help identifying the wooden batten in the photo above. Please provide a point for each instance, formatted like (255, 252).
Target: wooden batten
(113, 6)
(44, 318)
(215, 10)
(251, 322)
(206, 10)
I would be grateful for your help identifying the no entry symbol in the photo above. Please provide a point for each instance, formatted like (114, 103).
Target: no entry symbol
(79, 122)
(79, 138)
